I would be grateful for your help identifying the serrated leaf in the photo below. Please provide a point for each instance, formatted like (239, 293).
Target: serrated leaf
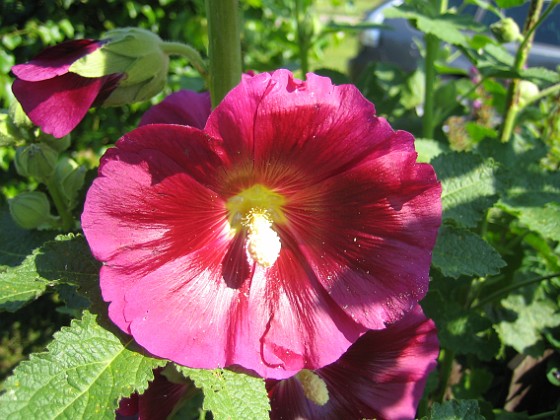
(16, 244)
(469, 186)
(460, 330)
(460, 252)
(528, 320)
(20, 285)
(231, 395)
(66, 259)
(428, 149)
(84, 373)
(456, 410)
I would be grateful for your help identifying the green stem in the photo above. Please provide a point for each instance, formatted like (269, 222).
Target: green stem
(547, 415)
(512, 99)
(302, 36)
(184, 50)
(224, 47)
(66, 218)
(446, 366)
(512, 287)
(432, 47)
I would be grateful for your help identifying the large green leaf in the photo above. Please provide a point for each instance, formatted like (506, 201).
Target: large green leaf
(465, 331)
(231, 395)
(84, 373)
(469, 186)
(16, 244)
(20, 285)
(460, 252)
(456, 410)
(67, 259)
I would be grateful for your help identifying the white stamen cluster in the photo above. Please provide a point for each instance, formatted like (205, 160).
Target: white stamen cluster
(263, 243)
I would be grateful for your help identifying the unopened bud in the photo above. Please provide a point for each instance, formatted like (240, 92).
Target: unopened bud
(69, 176)
(31, 210)
(527, 91)
(137, 55)
(506, 30)
(36, 160)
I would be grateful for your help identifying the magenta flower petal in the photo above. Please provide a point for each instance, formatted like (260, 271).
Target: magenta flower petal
(381, 376)
(58, 105)
(272, 239)
(55, 61)
(184, 107)
(156, 403)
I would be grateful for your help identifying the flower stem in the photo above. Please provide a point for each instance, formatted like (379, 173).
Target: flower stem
(446, 366)
(302, 36)
(512, 99)
(512, 287)
(66, 218)
(224, 47)
(432, 47)
(184, 50)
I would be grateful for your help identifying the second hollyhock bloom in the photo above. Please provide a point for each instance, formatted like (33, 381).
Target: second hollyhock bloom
(58, 86)
(381, 376)
(272, 239)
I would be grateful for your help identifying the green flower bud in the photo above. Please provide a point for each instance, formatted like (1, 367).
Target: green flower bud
(31, 210)
(137, 54)
(36, 160)
(527, 91)
(69, 176)
(506, 30)
(59, 145)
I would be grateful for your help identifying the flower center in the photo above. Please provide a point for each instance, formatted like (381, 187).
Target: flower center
(314, 388)
(255, 210)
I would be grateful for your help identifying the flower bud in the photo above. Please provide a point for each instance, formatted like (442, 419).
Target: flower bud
(31, 210)
(527, 91)
(69, 177)
(137, 55)
(506, 30)
(36, 160)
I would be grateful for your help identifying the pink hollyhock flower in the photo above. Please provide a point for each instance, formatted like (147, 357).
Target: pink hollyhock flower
(184, 107)
(272, 239)
(54, 98)
(381, 376)
(156, 403)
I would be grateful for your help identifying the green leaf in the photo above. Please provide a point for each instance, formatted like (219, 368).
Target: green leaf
(84, 373)
(428, 149)
(66, 259)
(17, 243)
(460, 252)
(230, 395)
(528, 319)
(504, 4)
(456, 410)
(463, 331)
(20, 285)
(469, 186)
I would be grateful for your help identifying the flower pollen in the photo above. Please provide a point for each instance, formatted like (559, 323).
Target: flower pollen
(255, 210)
(314, 388)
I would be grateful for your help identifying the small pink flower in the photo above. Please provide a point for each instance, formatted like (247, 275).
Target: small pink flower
(381, 376)
(54, 98)
(272, 239)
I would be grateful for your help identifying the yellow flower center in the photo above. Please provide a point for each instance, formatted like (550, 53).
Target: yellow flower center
(314, 388)
(255, 210)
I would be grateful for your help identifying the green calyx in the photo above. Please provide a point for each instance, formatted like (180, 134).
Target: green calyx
(506, 30)
(31, 210)
(36, 160)
(136, 54)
